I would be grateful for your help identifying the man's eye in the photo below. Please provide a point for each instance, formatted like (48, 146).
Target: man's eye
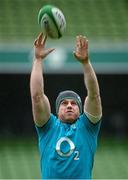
(73, 103)
(64, 103)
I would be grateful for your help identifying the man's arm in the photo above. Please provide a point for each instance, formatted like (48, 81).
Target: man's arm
(40, 103)
(92, 105)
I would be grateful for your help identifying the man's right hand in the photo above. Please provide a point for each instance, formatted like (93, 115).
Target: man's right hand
(39, 47)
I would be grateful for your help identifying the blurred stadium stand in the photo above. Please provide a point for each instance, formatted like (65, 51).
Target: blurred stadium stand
(98, 19)
(103, 22)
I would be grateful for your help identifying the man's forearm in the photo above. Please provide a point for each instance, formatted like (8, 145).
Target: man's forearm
(36, 82)
(90, 80)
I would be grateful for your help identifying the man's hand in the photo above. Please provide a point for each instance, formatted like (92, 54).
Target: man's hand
(81, 51)
(39, 47)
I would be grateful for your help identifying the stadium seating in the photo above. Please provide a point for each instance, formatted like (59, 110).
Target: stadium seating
(98, 19)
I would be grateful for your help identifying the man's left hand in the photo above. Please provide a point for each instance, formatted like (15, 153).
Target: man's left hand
(81, 51)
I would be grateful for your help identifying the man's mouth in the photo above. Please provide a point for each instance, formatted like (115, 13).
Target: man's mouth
(69, 111)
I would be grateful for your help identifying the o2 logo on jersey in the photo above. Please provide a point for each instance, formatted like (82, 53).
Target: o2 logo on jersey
(65, 147)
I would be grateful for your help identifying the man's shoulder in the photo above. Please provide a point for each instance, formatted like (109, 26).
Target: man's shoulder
(48, 126)
(84, 119)
(51, 121)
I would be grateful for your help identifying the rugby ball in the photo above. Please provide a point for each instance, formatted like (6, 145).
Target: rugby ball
(52, 20)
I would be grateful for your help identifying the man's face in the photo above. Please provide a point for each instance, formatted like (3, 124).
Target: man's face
(68, 111)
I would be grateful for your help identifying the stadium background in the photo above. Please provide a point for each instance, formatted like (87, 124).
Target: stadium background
(105, 24)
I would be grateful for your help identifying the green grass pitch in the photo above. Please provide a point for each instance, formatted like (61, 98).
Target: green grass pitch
(19, 159)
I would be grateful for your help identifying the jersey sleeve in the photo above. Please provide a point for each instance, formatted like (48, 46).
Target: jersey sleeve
(93, 128)
(45, 129)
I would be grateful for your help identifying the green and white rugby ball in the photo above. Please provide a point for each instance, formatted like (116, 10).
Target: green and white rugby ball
(52, 21)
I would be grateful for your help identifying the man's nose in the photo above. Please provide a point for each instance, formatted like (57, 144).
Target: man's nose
(69, 105)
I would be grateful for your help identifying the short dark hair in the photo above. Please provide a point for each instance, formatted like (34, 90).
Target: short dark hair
(68, 94)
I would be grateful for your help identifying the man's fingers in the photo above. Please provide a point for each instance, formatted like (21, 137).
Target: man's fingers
(78, 41)
(35, 42)
(40, 38)
(48, 51)
(44, 39)
(81, 41)
(76, 54)
(86, 44)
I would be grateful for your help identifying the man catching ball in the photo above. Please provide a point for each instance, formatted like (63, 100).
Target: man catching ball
(67, 141)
